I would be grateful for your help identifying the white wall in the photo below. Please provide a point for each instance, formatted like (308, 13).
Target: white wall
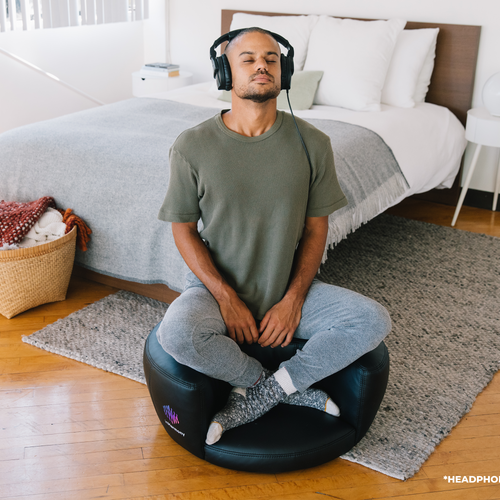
(98, 60)
(155, 32)
(196, 23)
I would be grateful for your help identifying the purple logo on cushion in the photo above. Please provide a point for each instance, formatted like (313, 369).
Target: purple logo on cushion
(171, 415)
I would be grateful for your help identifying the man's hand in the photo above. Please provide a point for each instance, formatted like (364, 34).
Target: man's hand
(239, 321)
(280, 322)
(236, 315)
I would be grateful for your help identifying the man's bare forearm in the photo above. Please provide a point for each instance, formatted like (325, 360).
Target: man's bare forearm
(198, 258)
(236, 315)
(308, 257)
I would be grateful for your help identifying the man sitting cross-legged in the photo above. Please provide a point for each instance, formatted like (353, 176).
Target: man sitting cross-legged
(253, 266)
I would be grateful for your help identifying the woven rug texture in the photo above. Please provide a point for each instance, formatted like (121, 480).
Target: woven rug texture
(441, 287)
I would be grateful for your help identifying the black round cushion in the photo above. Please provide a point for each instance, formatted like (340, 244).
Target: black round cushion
(284, 439)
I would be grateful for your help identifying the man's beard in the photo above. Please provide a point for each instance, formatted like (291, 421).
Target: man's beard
(255, 96)
(271, 93)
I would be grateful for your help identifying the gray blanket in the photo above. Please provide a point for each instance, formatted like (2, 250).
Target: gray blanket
(110, 165)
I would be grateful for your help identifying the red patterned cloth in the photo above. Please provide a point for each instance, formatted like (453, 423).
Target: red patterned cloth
(16, 219)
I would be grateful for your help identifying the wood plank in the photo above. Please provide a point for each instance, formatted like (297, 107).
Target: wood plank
(98, 387)
(477, 443)
(138, 440)
(19, 350)
(86, 494)
(480, 493)
(36, 363)
(45, 398)
(79, 371)
(80, 412)
(31, 469)
(435, 490)
(17, 328)
(336, 467)
(35, 429)
(134, 491)
(477, 468)
(488, 429)
(474, 420)
(96, 459)
(475, 220)
(241, 487)
(81, 374)
(305, 495)
(447, 458)
(30, 487)
(146, 434)
(485, 409)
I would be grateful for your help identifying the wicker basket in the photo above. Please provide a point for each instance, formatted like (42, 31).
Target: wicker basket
(37, 275)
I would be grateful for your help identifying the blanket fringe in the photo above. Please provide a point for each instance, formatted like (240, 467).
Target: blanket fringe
(350, 218)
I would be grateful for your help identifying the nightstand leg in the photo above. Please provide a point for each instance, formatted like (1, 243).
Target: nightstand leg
(497, 186)
(467, 182)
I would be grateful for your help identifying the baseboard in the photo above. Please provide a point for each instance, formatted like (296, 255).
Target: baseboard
(154, 291)
(480, 199)
(474, 198)
(447, 196)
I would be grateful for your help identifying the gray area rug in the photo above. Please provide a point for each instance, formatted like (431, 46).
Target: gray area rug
(441, 286)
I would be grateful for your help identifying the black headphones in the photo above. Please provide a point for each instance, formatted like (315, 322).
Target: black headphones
(222, 69)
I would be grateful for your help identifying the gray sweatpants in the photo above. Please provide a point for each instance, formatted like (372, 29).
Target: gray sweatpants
(340, 326)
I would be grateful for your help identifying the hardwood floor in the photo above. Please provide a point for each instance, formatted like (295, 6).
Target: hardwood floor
(471, 219)
(70, 431)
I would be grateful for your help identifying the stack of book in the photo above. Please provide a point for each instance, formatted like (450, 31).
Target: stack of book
(155, 70)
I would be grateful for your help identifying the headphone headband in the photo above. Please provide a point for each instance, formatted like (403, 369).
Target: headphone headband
(222, 69)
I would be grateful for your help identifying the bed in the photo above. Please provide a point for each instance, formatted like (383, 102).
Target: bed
(110, 164)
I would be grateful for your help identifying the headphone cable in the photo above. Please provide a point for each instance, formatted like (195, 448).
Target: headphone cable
(298, 131)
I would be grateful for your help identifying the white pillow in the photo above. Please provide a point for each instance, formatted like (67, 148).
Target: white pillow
(424, 79)
(354, 56)
(296, 29)
(410, 52)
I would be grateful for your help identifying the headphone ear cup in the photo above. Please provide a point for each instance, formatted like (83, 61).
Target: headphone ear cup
(286, 72)
(223, 76)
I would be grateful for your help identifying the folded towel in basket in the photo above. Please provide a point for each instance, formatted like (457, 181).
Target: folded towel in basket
(49, 227)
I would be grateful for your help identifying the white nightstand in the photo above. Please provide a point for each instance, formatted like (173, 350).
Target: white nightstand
(160, 83)
(484, 130)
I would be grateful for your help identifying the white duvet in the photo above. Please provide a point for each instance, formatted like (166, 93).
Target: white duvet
(428, 141)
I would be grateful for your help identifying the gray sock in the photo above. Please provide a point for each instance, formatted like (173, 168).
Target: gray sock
(312, 398)
(245, 405)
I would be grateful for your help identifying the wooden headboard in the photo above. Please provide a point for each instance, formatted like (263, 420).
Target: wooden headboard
(454, 68)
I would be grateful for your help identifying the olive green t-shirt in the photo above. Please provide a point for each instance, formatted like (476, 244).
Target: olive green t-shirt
(252, 195)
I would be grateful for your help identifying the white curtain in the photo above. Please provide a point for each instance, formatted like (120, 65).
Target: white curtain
(43, 14)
